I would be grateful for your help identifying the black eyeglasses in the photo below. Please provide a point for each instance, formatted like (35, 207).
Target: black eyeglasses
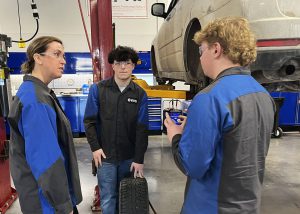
(123, 63)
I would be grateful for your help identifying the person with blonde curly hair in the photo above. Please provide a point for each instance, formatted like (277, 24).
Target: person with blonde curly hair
(222, 144)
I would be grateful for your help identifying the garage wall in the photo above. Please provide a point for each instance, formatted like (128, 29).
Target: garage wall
(61, 18)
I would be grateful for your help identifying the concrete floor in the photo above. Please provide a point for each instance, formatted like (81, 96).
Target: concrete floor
(281, 193)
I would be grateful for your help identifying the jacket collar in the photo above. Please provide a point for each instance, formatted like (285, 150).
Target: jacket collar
(36, 81)
(112, 83)
(233, 71)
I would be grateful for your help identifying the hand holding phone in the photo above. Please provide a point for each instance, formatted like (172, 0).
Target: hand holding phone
(182, 120)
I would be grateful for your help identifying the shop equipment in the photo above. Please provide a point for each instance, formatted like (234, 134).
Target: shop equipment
(7, 194)
(174, 112)
(289, 113)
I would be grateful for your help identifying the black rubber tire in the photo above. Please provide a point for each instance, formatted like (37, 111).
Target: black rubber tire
(133, 196)
(153, 63)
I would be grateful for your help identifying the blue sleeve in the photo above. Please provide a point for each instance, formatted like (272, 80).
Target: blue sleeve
(141, 131)
(44, 156)
(91, 120)
(143, 111)
(39, 129)
(206, 120)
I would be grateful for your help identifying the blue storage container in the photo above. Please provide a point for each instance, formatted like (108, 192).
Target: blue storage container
(82, 105)
(70, 106)
(85, 88)
(289, 114)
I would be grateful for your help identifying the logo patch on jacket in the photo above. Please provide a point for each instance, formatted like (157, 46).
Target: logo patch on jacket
(132, 100)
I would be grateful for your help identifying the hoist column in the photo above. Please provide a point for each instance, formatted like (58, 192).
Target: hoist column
(102, 37)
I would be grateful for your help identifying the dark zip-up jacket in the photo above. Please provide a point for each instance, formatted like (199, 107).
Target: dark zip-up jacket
(117, 121)
(224, 145)
(43, 162)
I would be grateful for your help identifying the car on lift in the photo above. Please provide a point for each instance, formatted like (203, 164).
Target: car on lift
(276, 23)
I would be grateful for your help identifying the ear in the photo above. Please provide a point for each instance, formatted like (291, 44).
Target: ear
(218, 49)
(37, 59)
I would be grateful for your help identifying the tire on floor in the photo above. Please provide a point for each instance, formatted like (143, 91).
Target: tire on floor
(133, 196)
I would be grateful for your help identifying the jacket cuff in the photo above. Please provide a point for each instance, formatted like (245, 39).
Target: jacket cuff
(175, 140)
(175, 145)
(95, 147)
(139, 160)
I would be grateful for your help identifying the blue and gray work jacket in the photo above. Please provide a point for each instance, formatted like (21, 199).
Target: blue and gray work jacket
(224, 145)
(42, 158)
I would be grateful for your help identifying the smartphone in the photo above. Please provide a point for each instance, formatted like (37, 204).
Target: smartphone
(174, 115)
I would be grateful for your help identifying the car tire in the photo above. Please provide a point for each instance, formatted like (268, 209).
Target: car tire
(191, 54)
(159, 80)
(133, 196)
(153, 63)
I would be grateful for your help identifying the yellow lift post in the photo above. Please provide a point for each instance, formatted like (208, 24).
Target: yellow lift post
(162, 91)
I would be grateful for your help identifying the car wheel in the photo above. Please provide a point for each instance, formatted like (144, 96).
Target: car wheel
(191, 56)
(153, 63)
(159, 80)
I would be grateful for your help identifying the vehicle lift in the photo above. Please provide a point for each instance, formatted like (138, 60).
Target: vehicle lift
(161, 91)
(7, 194)
(102, 44)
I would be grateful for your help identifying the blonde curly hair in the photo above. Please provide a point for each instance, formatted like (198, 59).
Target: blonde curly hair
(234, 36)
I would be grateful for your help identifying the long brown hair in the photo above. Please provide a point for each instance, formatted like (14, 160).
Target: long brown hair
(39, 45)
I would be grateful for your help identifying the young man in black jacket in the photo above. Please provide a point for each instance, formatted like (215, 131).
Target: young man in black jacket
(116, 120)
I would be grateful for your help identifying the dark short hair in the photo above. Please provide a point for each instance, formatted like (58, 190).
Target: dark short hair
(123, 53)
